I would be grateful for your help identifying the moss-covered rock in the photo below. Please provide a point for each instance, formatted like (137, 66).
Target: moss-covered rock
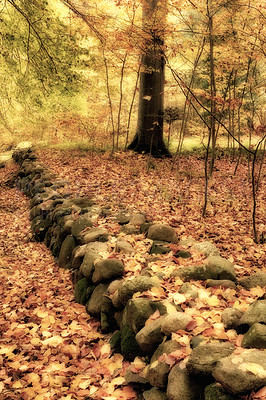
(81, 291)
(115, 342)
(215, 391)
(129, 346)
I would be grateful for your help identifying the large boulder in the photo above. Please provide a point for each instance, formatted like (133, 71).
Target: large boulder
(154, 394)
(215, 267)
(204, 357)
(242, 373)
(163, 233)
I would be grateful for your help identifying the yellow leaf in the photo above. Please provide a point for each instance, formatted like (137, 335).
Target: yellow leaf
(118, 381)
(17, 385)
(105, 349)
(254, 368)
(85, 384)
(35, 341)
(52, 341)
(179, 298)
(41, 313)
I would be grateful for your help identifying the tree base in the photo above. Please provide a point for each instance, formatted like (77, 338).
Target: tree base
(158, 151)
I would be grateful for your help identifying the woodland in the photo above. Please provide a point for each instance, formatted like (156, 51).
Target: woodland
(146, 106)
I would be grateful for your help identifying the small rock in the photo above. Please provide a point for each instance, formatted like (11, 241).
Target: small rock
(181, 386)
(154, 394)
(224, 283)
(231, 318)
(81, 223)
(207, 248)
(189, 289)
(129, 229)
(78, 256)
(159, 247)
(242, 373)
(131, 286)
(150, 336)
(215, 267)
(255, 337)
(162, 233)
(94, 250)
(108, 269)
(123, 245)
(204, 357)
(123, 217)
(131, 377)
(158, 370)
(256, 312)
(258, 279)
(137, 219)
(94, 305)
(174, 322)
(65, 255)
(92, 235)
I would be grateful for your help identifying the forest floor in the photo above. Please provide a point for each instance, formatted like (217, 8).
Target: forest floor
(50, 348)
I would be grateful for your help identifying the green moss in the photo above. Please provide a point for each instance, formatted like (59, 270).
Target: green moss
(129, 346)
(81, 291)
(115, 342)
(215, 392)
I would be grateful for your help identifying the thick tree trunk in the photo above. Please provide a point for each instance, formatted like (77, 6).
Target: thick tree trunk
(149, 136)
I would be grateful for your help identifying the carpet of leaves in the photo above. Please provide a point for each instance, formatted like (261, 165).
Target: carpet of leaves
(49, 347)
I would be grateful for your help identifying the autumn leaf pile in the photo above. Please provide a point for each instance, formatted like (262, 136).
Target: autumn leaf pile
(49, 347)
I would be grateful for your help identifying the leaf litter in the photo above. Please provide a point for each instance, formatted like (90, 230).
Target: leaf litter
(50, 348)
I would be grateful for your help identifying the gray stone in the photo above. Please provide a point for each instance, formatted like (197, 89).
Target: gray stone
(80, 224)
(204, 357)
(162, 233)
(137, 311)
(159, 247)
(207, 248)
(137, 219)
(92, 235)
(154, 394)
(215, 267)
(94, 305)
(123, 217)
(131, 286)
(242, 373)
(150, 336)
(181, 386)
(94, 250)
(123, 245)
(258, 279)
(174, 322)
(224, 283)
(255, 337)
(78, 256)
(231, 318)
(256, 312)
(129, 229)
(131, 377)
(108, 269)
(80, 202)
(65, 255)
(189, 289)
(158, 370)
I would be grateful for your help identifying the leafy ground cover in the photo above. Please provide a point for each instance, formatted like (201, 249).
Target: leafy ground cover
(50, 348)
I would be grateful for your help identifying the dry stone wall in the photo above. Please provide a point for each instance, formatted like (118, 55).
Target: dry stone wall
(67, 224)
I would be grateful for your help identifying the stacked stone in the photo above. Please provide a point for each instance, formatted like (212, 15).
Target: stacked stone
(213, 370)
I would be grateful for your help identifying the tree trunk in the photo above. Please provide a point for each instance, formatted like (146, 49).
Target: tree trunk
(149, 135)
